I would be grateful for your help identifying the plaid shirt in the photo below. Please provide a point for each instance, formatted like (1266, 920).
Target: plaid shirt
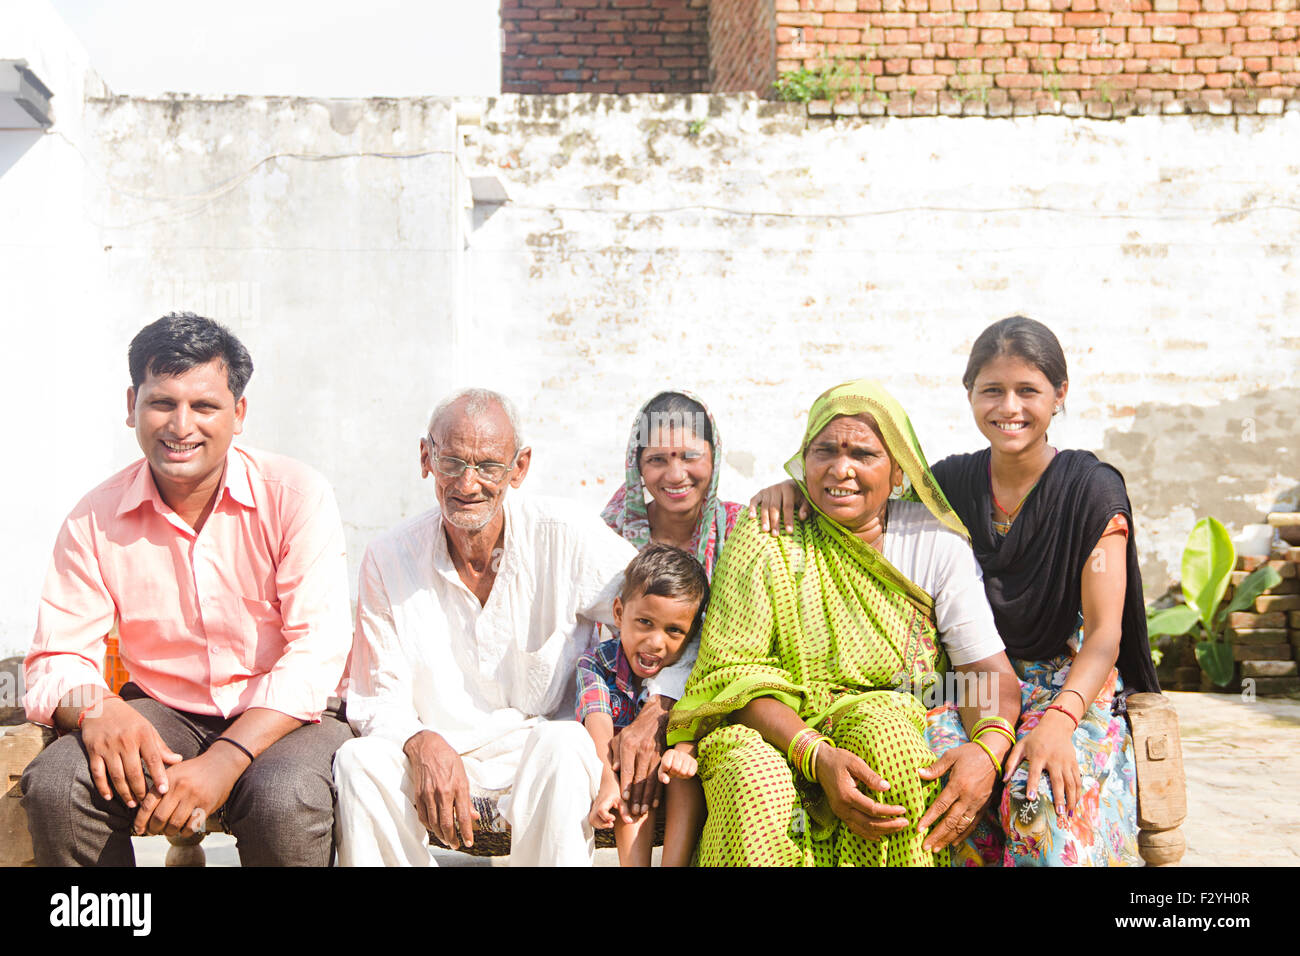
(606, 684)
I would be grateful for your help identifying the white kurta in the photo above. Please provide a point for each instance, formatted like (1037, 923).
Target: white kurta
(428, 656)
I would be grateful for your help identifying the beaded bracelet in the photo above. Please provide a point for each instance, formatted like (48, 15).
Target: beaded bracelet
(1067, 714)
(997, 764)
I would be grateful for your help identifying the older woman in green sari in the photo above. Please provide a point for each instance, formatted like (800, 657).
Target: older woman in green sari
(818, 647)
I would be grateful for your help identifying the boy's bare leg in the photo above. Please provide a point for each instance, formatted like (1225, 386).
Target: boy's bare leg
(635, 840)
(684, 822)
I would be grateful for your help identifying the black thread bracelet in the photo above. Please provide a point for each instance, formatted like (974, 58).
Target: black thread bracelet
(235, 743)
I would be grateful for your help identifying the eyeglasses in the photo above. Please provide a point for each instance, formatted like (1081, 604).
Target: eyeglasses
(490, 471)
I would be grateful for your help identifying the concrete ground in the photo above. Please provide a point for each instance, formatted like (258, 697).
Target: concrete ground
(1242, 760)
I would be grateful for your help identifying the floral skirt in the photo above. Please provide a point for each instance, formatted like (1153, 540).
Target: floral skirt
(1021, 832)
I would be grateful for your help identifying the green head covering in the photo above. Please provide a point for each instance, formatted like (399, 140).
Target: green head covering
(869, 397)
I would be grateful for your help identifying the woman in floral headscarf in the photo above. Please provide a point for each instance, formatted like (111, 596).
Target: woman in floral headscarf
(674, 455)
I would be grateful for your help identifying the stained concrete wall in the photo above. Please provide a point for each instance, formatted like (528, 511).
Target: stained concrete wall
(719, 244)
(51, 278)
(328, 234)
(727, 245)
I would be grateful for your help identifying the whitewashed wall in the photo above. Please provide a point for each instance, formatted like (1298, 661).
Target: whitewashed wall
(719, 244)
(60, 431)
(726, 245)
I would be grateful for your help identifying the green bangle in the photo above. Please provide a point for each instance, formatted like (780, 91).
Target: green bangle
(810, 760)
(799, 745)
(995, 729)
(997, 764)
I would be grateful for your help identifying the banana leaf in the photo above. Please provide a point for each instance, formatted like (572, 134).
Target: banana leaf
(1216, 660)
(1256, 583)
(1208, 559)
(1173, 620)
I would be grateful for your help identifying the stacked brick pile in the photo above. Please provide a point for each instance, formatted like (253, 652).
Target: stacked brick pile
(604, 46)
(1264, 639)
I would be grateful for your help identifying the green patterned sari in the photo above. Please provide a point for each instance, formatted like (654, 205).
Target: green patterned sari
(820, 621)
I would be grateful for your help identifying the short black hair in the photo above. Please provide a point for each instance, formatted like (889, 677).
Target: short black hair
(661, 570)
(181, 341)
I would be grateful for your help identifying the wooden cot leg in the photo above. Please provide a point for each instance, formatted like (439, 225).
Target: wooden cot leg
(18, 748)
(186, 851)
(1161, 784)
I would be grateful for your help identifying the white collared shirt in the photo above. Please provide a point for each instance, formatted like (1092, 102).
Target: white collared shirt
(428, 656)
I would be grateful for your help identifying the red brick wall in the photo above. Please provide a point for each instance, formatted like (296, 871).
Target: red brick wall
(742, 45)
(604, 46)
(1099, 57)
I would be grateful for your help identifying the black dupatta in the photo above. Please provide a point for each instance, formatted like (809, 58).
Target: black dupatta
(1033, 575)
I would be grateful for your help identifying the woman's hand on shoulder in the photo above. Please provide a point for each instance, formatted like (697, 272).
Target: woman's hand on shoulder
(839, 773)
(1050, 747)
(773, 503)
(971, 776)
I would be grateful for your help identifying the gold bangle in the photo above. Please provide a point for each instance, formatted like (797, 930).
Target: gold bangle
(810, 762)
(996, 720)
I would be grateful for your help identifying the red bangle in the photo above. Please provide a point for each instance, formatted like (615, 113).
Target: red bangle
(1067, 714)
(89, 707)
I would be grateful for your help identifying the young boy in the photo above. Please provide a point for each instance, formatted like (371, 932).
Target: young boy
(658, 613)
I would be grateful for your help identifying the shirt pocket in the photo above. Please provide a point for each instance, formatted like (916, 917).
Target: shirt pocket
(261, 635)
(542, 677)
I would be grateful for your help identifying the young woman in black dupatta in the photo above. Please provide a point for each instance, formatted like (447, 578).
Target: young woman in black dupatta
(1053, 533)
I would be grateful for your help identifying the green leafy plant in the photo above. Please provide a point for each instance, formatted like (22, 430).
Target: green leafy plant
(803, 84)
(695, 127)
(827, 81)
(1208, 560)
(1051, 77)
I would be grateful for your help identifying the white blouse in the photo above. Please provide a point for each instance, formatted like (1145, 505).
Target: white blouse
(942, 564)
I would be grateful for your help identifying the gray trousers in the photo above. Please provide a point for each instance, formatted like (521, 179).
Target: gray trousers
(281, 810)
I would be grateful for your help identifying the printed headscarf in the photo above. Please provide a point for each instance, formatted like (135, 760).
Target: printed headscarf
(626, 511)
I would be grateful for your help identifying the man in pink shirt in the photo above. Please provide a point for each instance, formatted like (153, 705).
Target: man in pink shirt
(224, 571)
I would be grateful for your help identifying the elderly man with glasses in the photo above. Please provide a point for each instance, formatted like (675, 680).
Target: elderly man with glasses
(471, 618)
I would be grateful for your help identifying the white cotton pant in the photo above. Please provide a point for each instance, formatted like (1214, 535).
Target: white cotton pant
(547, 807)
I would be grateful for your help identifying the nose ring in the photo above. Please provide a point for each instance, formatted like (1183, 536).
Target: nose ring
(852, 473)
